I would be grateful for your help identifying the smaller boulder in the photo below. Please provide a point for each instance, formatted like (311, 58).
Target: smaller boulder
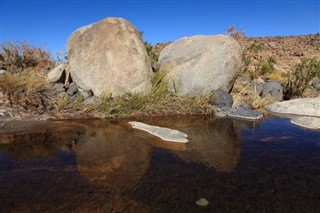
(257, 85)
(221, 99)
(2, 72)
(155, 66)
(244, 111)
(5, 113)
(73, 89)
(59, 87)
(315, 84)
(91, 100)
(57, 74)
(86, 94)
(273, 89)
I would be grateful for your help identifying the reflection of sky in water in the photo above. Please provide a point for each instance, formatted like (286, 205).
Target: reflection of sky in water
(253, 165)
(6, 163)
(279, 129)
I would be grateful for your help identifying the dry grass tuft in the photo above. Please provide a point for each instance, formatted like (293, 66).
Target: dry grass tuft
(62, 101)
(158, 102)
(27, 89)
(244, 92)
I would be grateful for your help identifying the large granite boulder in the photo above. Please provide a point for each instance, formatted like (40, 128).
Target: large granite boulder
(109, 56)
(199, 64)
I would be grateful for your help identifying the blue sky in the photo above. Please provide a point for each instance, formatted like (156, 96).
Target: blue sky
(50, 22)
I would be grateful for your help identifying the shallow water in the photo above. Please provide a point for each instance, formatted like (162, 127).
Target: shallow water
(106, 166)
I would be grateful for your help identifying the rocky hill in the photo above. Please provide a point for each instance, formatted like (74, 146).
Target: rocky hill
(286, 50)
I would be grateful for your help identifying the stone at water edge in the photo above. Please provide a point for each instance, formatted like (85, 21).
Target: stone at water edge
(221, 99)
(243, 111)
(165, 134)
(200, 64)
(109, 56)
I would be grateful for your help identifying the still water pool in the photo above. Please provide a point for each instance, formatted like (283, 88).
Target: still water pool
(106, 166)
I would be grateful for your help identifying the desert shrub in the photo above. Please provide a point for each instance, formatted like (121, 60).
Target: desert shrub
(255, 47)
(266, 66)
(237, 34)
(246, 60)
(151, 53)
(300, 77)
(17, 56)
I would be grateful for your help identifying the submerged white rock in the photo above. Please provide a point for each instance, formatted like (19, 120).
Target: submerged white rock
(165, 134)
(202, 202)
(307, 122)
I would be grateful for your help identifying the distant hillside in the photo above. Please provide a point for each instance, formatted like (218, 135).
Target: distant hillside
(286, 50)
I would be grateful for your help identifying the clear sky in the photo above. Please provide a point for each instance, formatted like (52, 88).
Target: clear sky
(50, 22)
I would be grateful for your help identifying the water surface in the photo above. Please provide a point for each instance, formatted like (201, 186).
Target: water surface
(106, 166)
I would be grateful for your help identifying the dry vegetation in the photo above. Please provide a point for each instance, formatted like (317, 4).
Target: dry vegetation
(159, 101)
(25, 85)
(17, 56)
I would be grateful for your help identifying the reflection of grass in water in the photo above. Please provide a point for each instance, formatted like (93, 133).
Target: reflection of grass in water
(38, 143)
(27, 146)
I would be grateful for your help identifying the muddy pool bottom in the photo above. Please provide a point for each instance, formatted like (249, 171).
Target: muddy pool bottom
(107, 166)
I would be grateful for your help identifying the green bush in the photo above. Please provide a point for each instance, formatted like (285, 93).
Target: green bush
(300, 77)
(151, 53)
(255, 47)
(266, 66)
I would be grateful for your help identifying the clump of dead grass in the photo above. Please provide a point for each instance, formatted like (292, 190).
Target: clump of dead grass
(158, 102)
(245, 92)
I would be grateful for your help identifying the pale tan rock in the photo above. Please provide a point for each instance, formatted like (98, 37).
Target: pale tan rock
(199, 64)
(56, 74)
(165, 134)
(301, 106)
(307, 122)
(109, 56)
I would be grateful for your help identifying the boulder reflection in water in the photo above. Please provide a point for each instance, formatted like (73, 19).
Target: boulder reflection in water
(113, 157)
(215, 144)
